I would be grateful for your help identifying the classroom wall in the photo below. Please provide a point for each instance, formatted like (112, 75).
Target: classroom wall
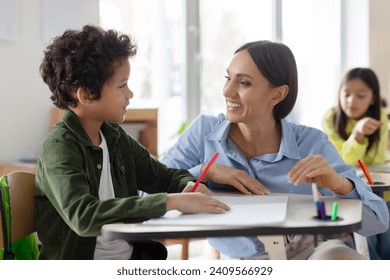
(355, 45)
(380, 43)
(24, 99)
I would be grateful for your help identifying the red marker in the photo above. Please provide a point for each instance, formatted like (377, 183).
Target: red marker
(366, 172)
(204, 172)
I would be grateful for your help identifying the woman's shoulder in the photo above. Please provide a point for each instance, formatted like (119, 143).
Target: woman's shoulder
(204, 124)
(211, 118)
(205, 120)
(301, 131)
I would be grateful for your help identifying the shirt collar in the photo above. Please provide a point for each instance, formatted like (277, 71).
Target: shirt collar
(72, 122)
(219, 132)
(288, 146)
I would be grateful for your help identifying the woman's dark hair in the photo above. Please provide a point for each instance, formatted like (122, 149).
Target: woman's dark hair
(367, 76)
(86, 59)
(277, 63)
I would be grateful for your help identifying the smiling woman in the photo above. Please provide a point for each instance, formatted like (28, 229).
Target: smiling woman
(260, 152)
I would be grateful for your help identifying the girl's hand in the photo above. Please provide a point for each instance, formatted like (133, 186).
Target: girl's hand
(195, 203)
(316, 167)
(365, 127)
(239, 179)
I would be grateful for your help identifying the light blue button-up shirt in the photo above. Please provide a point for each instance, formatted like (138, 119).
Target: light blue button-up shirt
(208, 134)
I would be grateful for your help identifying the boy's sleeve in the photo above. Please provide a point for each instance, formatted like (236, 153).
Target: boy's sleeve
(153, 176)
(62, 179)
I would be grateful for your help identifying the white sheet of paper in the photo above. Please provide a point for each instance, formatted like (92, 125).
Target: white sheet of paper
(245, 211)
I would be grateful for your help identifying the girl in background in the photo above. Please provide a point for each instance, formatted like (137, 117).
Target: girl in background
(357, 127)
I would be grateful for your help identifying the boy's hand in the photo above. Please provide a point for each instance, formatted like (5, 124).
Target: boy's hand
(195, 203)
(201, 188)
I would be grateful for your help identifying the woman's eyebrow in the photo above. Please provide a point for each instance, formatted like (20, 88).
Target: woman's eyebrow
(242, 75)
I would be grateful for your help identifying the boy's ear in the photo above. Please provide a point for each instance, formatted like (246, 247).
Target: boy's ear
(280, 94)
(83, 96)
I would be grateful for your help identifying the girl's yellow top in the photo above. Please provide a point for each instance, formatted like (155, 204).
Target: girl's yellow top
(350, 150)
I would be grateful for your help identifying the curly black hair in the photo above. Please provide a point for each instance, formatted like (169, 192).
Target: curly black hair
(86, 59)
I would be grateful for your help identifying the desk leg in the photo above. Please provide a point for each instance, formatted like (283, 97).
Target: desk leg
(275, 246)
(361, 245)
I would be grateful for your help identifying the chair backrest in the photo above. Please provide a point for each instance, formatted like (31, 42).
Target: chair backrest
(23, 218)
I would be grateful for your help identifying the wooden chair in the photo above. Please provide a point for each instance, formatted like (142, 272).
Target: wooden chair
(22, 191)
(23, 214)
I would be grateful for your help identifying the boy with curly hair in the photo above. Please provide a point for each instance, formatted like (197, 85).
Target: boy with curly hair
(89, 170)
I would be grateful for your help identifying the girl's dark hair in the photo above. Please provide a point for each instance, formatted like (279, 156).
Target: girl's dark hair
(277, 63)
(86, 59)
(367, 76)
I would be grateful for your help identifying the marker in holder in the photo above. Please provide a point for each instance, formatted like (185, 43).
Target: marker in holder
(328, 218)
(321, 212)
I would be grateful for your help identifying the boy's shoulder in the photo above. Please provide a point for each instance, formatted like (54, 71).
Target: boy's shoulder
(59, 133)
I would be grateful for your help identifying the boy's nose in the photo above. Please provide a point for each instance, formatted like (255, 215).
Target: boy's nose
(130, 94)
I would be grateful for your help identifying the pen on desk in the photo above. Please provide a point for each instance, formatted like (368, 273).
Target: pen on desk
(366, 172)
(315, 191)
(204, 172)
(334, 211)
(315, 198)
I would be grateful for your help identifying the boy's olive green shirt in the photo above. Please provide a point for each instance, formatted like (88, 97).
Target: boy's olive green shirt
(69, 212)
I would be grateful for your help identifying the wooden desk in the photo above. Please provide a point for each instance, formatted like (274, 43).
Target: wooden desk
(381, 183)
(148, 136)
(379, 168)
(381, 175)
(299, 220)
